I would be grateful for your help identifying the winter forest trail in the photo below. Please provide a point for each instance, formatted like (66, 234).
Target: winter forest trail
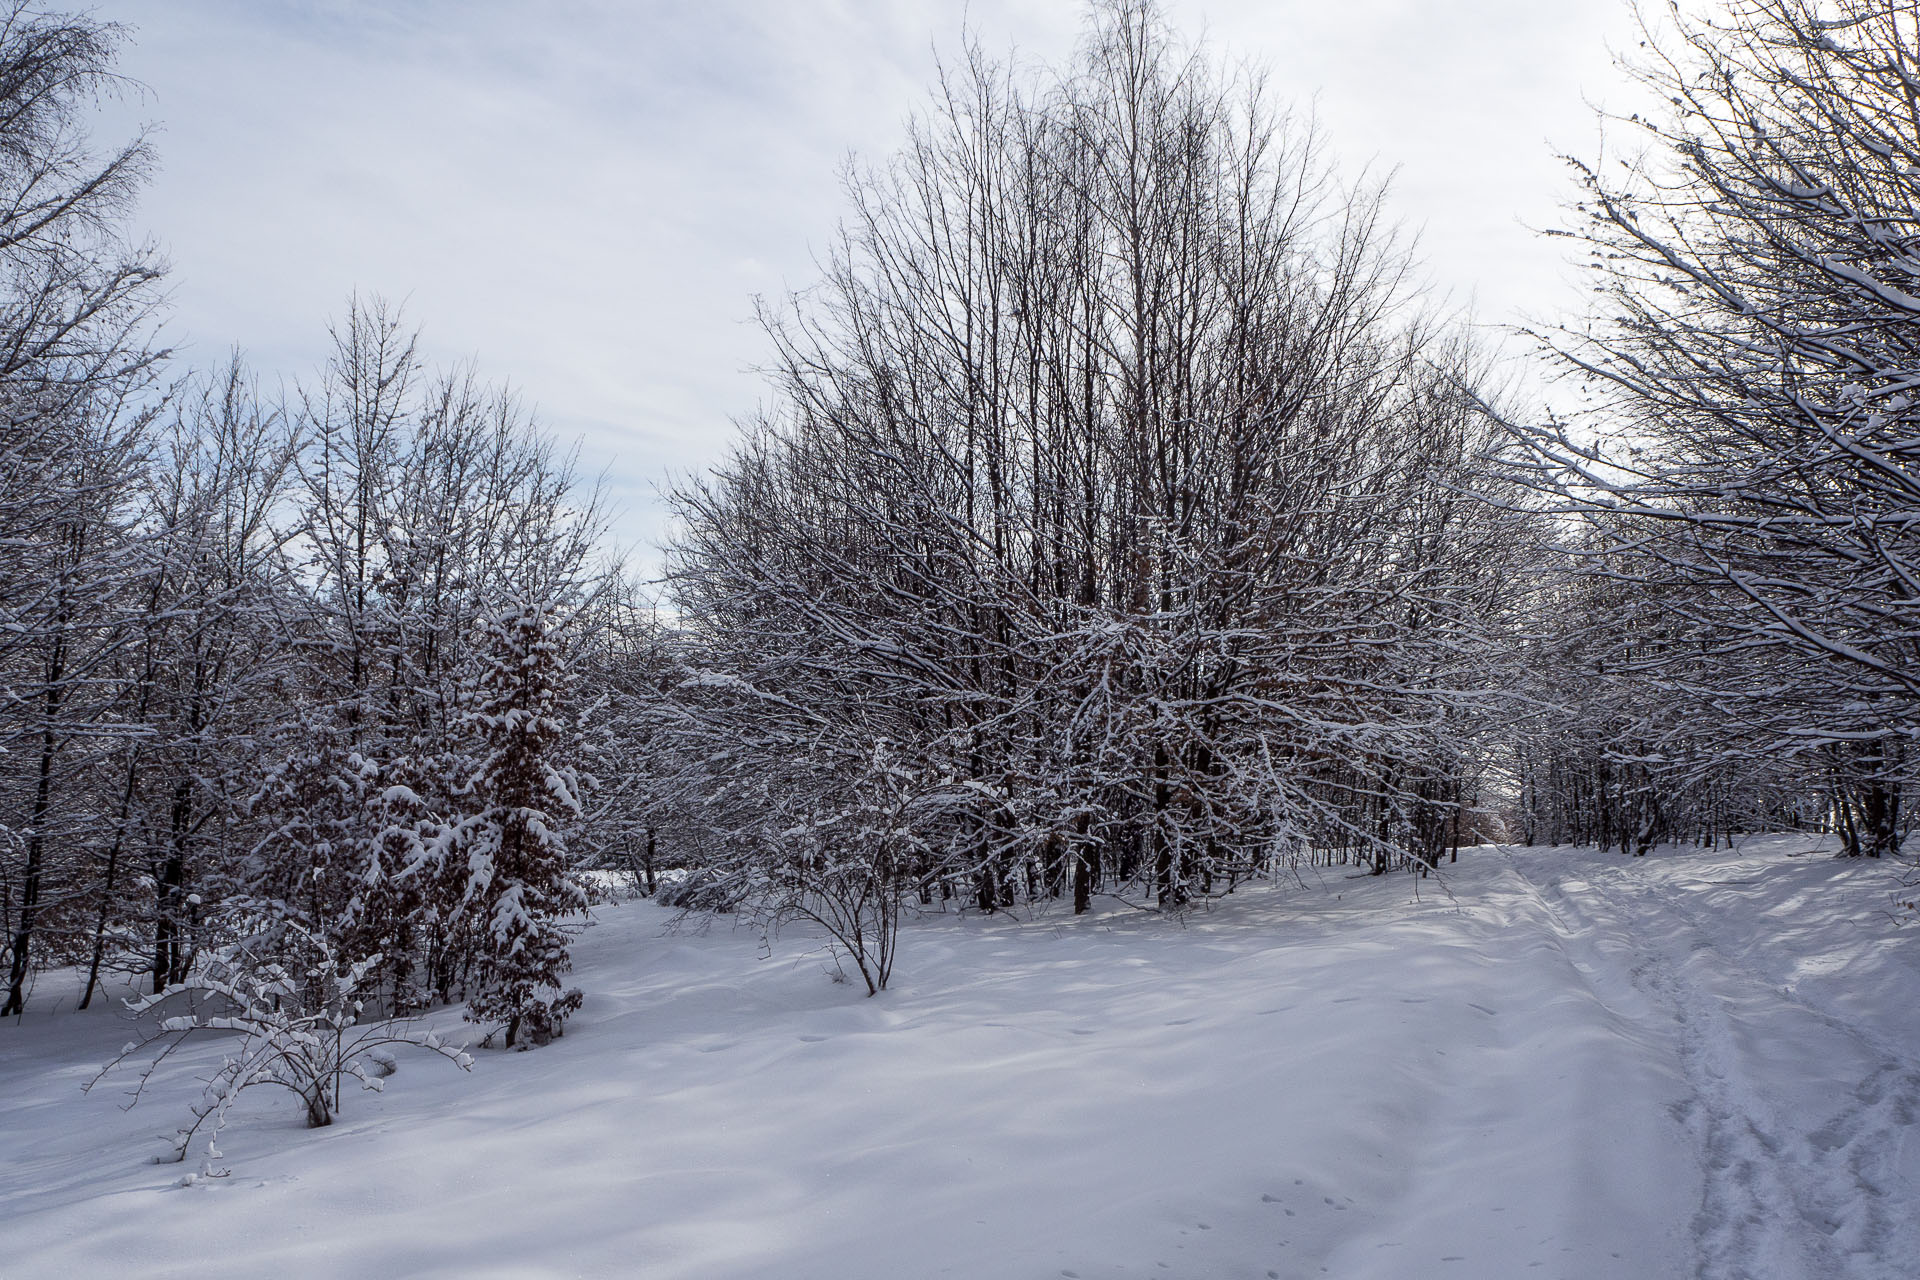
(1801, 1110)
(1551, 1063)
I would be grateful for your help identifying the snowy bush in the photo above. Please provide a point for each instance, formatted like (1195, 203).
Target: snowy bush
(294, 1006)
(702, 890)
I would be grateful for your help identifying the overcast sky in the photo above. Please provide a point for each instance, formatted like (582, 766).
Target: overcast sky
(584, 195)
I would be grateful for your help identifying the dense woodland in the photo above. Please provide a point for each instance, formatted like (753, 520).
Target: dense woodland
(1125, 522)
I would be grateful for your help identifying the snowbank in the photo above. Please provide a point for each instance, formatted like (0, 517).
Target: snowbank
(1556, 1063)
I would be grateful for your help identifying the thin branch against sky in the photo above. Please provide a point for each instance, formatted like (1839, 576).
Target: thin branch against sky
(585, 197)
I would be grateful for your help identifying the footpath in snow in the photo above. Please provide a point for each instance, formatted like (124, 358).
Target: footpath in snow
(1554, 1063)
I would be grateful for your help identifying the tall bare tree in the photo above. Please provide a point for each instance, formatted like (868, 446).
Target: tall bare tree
(1112, 527)
(75, 297)
(1751, 461)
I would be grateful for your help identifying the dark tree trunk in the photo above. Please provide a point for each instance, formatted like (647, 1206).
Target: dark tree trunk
(36, 845)
(169, 941)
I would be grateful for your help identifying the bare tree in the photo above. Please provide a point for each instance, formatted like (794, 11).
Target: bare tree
(74, 302)
(1750, 461)
(1115, 496)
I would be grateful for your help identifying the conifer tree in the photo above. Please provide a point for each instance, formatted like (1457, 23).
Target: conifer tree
(518, 883)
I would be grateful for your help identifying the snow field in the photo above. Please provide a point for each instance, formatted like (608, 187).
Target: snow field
(1557, 1063)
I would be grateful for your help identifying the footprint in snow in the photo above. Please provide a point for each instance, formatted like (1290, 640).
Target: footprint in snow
(1491, 1013)
(811, 1039)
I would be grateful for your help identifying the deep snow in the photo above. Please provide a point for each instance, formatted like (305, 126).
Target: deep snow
(1554, 1063)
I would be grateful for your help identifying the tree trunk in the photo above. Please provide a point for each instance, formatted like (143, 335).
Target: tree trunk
(36, 845)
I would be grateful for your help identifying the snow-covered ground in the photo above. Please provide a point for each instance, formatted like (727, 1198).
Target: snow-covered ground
(1556, 1063)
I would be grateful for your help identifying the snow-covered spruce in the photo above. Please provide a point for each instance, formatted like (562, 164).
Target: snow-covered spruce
(511, 851)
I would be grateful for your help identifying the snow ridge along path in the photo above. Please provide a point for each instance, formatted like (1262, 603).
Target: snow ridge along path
(1801, 1108)
(1554, 1064)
